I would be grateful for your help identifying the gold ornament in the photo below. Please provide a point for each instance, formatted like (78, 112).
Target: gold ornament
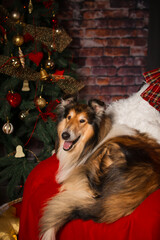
(7, 127)
(44, 74)
(25, 87)
(23, 114)
(18, 40)
(40, 102)
(15, 15)
(30, 7)
(49, 64)
(15, 62)
(9, 224)
(21, 57)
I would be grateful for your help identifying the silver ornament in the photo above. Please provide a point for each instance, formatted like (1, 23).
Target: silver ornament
(7, 128)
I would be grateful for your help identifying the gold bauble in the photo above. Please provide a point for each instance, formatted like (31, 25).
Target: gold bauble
(40, 102)
(49, 64)
(15, 15)
(18, 40)
(15, 62)
(9, 224)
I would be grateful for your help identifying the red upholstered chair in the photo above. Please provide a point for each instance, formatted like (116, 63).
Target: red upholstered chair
(142, 224)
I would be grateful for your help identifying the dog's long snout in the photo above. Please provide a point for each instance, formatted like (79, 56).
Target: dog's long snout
(65, 135)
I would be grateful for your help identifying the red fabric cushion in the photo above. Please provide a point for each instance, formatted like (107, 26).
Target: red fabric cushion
(142, 224)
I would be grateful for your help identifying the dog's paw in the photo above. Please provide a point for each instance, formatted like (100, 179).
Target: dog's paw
(49, 235)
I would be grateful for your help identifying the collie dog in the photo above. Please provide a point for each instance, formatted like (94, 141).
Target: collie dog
(105, 170)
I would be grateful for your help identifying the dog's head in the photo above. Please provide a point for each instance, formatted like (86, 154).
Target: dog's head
(78, 123)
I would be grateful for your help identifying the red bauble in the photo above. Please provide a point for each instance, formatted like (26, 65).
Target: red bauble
(14, 99)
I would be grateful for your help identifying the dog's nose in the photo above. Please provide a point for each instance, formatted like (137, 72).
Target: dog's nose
(65, 135)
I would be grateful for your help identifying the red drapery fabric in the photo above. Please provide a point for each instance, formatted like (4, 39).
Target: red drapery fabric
(142, 224)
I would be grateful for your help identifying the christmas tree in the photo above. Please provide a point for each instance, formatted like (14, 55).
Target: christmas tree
(36, 69)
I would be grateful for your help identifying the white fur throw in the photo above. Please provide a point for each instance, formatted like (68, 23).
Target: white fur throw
(136, 113)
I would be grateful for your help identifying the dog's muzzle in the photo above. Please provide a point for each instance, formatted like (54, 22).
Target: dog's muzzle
(67, 143)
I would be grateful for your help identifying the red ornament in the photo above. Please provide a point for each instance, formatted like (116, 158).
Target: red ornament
(36, 57)
(14, 99)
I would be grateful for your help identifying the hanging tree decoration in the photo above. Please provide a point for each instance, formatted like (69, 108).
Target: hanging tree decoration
(14, 99)
(40, 102)
(25, 87)
(18, 40)
(15, 16)
(36, 57)
(44, 74)
(7, 127)
(30, 7)
(15, 62)
(19, 152)
(21, 57)
(49, 64)
(23, 114)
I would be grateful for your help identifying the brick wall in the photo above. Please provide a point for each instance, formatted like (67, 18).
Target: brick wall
(109, 44)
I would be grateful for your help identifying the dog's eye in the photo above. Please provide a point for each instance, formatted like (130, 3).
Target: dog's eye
(82, 120)
(69, 117)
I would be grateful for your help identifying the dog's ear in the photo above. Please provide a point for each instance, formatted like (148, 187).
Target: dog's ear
(68, 99)
(98, 106)
(65, 101)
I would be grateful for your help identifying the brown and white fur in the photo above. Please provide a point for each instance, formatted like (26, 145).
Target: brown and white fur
(105, 170)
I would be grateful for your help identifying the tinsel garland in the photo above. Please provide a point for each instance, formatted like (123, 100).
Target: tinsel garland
(68, 84)
(20, 72)
(48, 36)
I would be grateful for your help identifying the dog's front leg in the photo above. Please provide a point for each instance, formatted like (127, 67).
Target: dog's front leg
(61, 209)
